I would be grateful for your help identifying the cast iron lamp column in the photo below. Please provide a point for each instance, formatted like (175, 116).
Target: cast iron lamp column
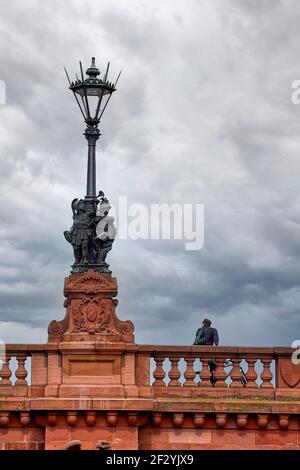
(92, 134)
(92, 95)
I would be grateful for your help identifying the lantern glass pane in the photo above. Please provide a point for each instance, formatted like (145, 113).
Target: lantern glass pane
(97, 97)
(104, 101)
(93, 101)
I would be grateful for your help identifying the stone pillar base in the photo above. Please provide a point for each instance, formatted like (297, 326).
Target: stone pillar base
(90, 302)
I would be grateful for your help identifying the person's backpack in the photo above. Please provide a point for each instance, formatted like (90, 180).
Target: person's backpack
(200, 337)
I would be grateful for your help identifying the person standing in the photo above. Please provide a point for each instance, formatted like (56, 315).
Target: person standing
(206, 335)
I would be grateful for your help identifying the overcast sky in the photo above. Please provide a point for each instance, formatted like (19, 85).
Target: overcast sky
(202, 114)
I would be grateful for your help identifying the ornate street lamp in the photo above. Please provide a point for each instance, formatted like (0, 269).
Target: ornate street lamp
(93, 231)
(92, 95)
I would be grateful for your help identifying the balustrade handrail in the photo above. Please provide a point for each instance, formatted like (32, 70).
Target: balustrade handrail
(26, 348)
(154, 348)
(218, 350)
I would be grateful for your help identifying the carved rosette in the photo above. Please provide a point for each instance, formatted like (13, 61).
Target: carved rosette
(90, 302)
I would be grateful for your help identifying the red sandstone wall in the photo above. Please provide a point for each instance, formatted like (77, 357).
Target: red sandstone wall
(120, 438)
(191, 439)
(130, 438)
(20, 438)
(231, 437)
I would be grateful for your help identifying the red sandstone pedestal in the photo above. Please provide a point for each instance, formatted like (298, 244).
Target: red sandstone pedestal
(94, 344)
(90, 302)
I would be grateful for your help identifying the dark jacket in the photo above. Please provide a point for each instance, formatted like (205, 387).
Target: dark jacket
(211, 336)
(207, 336)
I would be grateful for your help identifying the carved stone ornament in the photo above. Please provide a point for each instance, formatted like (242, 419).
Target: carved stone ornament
(290, 373)
(90, 283)
(92, 316)
(90, 312)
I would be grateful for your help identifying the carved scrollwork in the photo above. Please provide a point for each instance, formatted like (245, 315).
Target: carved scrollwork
(125, 327)
(92, 316)
(91, 283)
(57, 328)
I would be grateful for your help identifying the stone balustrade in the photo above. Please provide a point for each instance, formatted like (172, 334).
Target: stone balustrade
(218, 371)
(139, 396)
(36, 370)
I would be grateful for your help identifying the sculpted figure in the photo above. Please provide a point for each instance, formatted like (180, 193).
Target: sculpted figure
(92, 233)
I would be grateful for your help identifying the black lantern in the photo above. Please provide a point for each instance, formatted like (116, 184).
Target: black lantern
(92, 95)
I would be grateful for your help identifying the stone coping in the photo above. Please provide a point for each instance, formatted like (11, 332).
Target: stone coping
(145, 348)
(190, 405)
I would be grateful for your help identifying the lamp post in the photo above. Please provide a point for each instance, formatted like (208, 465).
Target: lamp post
(93, 231)
(92, 95)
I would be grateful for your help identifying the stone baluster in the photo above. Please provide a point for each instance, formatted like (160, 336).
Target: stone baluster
(235, 373)
(266, 375)
(251, 374)
(5, 372)
(21, 372)
(205, 374)
(174, 373)
(189, 373)
(159, 373)
(219, 374)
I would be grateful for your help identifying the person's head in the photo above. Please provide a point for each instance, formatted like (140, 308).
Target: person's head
(206, 322)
